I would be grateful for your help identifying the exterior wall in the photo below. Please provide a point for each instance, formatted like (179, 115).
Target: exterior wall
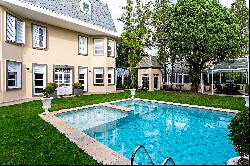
(62, 49)
(150, 72)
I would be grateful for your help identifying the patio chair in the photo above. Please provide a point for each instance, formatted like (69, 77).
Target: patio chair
(218, 88)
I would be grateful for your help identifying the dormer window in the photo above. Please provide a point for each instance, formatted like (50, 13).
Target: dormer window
(85, 6)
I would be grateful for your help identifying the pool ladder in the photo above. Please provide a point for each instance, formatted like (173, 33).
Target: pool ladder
(168, 159)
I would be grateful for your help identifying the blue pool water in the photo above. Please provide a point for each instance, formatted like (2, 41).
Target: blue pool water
(188, 135)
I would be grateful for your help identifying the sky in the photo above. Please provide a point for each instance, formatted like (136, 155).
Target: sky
(115, 7)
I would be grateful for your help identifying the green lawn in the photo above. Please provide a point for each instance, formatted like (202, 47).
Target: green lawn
(26, 139)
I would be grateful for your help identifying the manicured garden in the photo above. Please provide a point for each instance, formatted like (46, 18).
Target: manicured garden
(27, 139)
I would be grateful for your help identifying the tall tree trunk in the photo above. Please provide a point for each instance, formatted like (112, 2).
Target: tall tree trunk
(195, 77)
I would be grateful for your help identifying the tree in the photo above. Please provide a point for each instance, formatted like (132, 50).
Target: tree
(160, 20)
(203, 31)
(135, 36)
(242, 13)
(239, 133)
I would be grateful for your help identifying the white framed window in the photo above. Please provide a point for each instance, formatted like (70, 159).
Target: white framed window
(85, 6)
(14, 74)
(15, 30)
(99, 76)
(98, 47)
(83, 78)
(39, 37)
(111, 48)
(82, 45)
(39, 78)
(111, 76)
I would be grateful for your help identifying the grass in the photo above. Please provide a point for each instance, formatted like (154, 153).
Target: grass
(28, 140)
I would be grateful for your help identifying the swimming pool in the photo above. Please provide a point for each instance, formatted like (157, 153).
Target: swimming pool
(188, 135)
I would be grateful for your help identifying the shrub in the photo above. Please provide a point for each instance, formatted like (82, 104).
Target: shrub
(247, 88)
(77, 85)
(239, 132)
(50, 88)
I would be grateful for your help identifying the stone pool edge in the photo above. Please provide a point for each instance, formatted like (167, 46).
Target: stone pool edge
(100, 152)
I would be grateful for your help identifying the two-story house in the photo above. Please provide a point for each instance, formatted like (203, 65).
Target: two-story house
(61, 41)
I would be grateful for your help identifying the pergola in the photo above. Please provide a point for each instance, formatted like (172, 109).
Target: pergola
(240, 65)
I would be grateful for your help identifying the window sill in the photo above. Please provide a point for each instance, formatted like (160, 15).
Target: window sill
(82, 54)
(14, 43)
(111, 84)
(98, 55)
(98, 84)
(37, 48)
(13, 89)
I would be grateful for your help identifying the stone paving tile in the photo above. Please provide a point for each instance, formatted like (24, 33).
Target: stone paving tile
(84, 141)
(103, 154)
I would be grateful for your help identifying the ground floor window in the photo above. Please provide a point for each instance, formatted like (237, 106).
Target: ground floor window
(39, 79)
(98, 76)
(111, 76)
(14, 75)
(83, 77)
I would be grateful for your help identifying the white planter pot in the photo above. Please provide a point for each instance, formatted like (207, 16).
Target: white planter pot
(247, 101)
(46, 104)
(132, 93)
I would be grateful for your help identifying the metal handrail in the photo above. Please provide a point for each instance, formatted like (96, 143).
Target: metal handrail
(167, 160)
(136, 150)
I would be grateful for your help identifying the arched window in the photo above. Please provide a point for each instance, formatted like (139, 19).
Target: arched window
(85, 6)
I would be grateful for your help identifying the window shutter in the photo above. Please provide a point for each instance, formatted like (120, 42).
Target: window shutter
(39, 69)
(10, 28)
(35, 37)
(44, 37)
(20, 32)
(83, 45)
(81, 42)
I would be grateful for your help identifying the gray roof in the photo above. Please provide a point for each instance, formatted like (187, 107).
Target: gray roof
(100, 14)
(149, 62)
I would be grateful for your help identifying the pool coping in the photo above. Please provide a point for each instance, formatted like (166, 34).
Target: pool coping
(100, 152)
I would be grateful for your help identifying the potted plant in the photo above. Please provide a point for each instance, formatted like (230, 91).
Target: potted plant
(246, 96)
(239, 135)
(46, 99)
(77, 91)
(54, 94)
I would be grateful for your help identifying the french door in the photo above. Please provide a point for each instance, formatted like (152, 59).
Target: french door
(39, 79)
(63, 78)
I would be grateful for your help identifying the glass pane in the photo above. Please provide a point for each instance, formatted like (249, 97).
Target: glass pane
(109, 53)
(109, 75)
(38, 90)
(81, 76)
(38, 82)
(99, 75)
(98, 52)
(11, 82)
(60, 76)
(99, 81)
(40, 32)
(38, 76)
(40, 43)
(82, 82)
(109, 81)
(12, 75)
